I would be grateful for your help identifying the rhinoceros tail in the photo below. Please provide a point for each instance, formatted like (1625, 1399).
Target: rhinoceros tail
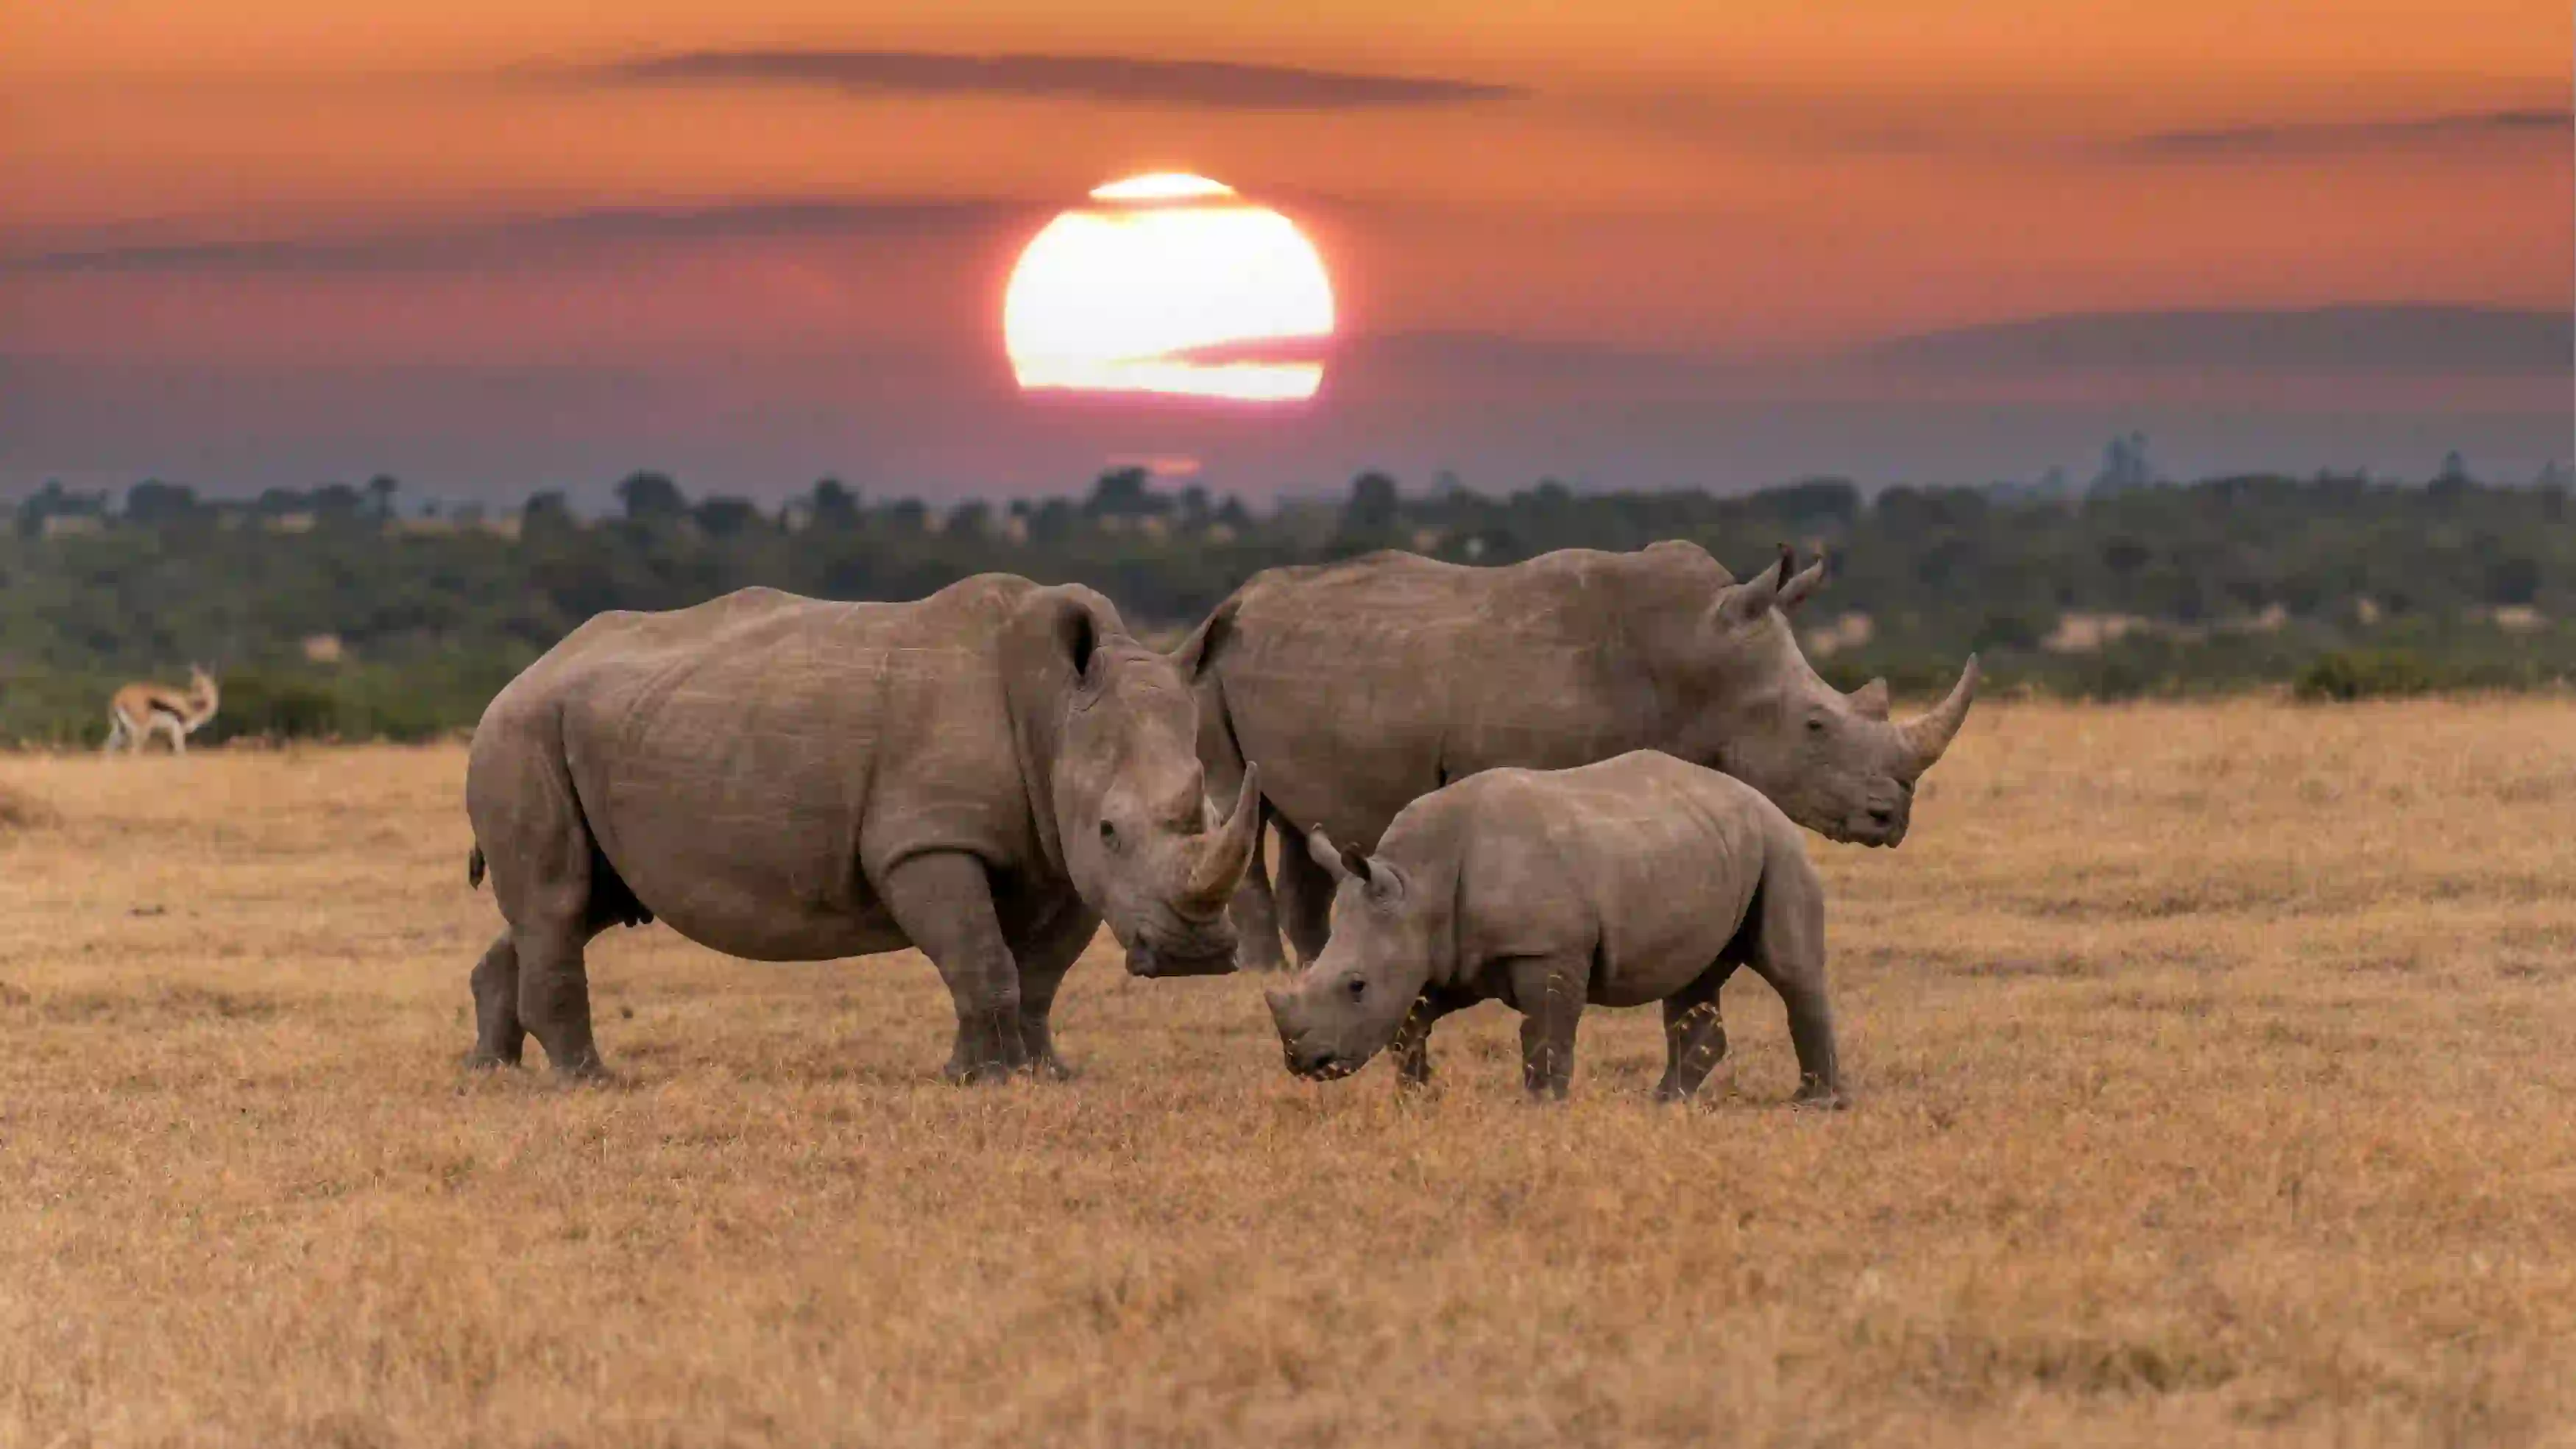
(474, 869)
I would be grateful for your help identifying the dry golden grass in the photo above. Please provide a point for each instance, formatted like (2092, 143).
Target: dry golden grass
(20, 810)
(2214, 1084)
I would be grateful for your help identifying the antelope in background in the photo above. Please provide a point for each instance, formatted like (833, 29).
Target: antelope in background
(141, 710)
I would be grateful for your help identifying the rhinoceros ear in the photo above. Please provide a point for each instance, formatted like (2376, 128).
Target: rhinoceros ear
(1343, 863)
(1199, 650)
(1795, 591)
(1077, 634)
(1330, 859)
(1745, 602)
(1385, 885)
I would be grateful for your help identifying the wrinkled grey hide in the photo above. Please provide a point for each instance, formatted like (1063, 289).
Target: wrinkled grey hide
(1639, 879)
(1358, 687)
(984, 774)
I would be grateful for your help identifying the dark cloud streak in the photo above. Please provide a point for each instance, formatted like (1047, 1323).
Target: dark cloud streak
(503, 241)
(2323, 137)
(1197, 84)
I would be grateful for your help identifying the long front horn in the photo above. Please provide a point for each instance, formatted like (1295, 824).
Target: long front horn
(1220, 867)
(1931, 734)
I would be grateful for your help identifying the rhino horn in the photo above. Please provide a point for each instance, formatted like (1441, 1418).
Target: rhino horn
(1870, 700)
(1795, 591)
(1221, 865)
(1928, 735)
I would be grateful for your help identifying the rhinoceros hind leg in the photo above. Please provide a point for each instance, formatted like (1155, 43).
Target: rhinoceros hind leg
(1043, 964)
(499, 1038)
(1694, 1035)
(554, 997)
(544, 863)
(501, 1004)
(944, 903)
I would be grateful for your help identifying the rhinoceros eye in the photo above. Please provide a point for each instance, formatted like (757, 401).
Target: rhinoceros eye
(1109, 835)
(1358, 987)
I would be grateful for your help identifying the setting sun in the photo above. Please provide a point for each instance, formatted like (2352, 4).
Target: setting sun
(1170, 283)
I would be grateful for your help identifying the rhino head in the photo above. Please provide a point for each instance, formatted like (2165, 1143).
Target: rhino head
(1141, 841)
(1347, 1004)
(1833, 762)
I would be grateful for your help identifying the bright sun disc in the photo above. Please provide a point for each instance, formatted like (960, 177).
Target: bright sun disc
(1173, 284)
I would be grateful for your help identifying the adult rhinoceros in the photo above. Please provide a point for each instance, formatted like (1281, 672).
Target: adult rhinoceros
(1360, 686)
(984, 774)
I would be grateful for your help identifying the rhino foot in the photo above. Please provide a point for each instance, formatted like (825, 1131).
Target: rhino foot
(1815, 1098)
(989, 1071)
(479, 1060)
(588, 1074)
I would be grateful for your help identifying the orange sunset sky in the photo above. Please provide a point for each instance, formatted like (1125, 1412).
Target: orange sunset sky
(496, 246)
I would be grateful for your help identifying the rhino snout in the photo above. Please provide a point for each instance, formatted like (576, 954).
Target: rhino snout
(1200, 954)
(1881, 818)
(1321, 1064)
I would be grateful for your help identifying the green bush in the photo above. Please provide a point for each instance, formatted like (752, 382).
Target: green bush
(2348, 674)
(272, 707)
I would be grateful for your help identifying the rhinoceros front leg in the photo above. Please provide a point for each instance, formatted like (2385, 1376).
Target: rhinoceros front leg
(1043, 964)
(1549, 991)
(944, 903)
(1412, 1045)
(1694, 1035)
(1789, 952)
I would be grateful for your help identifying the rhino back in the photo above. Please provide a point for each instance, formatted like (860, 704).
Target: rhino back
(1660, 859)
(1361, 686)
(740, 763)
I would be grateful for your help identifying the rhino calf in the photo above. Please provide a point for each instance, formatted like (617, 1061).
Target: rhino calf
(1640, 878)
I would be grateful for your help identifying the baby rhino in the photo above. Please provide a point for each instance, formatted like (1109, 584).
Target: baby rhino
(1641, 878)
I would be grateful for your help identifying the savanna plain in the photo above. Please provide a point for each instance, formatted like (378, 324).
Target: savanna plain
(2212, 1070)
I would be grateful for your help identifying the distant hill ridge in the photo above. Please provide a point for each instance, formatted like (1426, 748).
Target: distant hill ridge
(2404, 337)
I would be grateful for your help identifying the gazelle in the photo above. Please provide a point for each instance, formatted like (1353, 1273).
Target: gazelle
(141, 710)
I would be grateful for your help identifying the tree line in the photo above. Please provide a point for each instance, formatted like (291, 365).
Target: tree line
(335, 611)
